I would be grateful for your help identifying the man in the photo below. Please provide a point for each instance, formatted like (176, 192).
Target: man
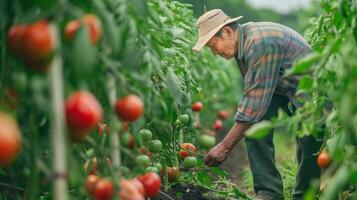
(263, 51)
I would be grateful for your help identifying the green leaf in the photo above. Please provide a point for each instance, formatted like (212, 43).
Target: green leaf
(172, 82)
(82, 54)
(259, 130)
(340, 180)
(219, 171)
(204, 178)
(305, 82)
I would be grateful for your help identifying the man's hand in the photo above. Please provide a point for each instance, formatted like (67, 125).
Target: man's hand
(217, 155)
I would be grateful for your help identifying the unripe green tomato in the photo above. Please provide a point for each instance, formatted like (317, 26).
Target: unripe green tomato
(190, 162)
(155, 146)
(152, 169)
(184, 118)
(143, 160)
(158, 166)
(145, 134)
(207, 141)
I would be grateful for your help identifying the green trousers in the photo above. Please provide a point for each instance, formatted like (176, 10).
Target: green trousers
(261, 155)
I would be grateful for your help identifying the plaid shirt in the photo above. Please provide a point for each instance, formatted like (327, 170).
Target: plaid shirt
(265, 51)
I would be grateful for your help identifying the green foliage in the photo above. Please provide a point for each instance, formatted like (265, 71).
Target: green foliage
(330, 106)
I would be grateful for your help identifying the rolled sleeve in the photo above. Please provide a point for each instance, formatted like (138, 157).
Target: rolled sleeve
(260, 81)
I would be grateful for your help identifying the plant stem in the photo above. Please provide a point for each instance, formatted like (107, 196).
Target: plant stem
(57, 123)
(114, 137)
(33, 182)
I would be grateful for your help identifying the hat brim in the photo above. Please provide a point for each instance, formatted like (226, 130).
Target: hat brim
(202, 41)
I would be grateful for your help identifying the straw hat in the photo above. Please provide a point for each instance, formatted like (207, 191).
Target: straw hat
(209, 24)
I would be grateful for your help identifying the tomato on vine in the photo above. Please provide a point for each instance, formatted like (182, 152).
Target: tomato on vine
(129, 108)
(173, 173)
(143, 160)
(145, 134)
(83, 113)
(131, 190)
(197, 106)
(151, 182)
(190, 162)
(155, 146)
(92, 24)
(103, 189)
(10, 140)
(323, 159)
(187, 149)
(217, 125)
(223, 114)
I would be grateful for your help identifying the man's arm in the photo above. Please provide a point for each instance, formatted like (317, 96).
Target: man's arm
(221, 151)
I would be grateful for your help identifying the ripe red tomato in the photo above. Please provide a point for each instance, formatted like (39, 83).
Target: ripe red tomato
(173, 173)
(103, 190)
(90, 183)
(83, 113)
(151, 182)
(129, 108)
(94, 26)
(323, 160)
(187, 149)
(223, 114)
(91, 22)
(38, 41)
(10, 140)
(217, 125)
(131, 190)
(71, 29)
(15, 39)
(197, 106)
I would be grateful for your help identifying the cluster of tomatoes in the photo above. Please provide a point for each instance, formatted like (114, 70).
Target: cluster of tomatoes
(100, 188)
(34, 43)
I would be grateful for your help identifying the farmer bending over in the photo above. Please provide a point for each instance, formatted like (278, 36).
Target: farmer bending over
(263, 51)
